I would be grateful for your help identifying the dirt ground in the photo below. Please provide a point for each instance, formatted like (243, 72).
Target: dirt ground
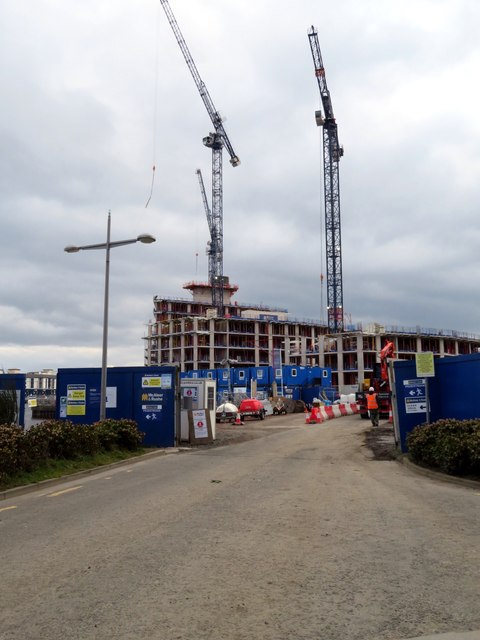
(380, 440)
(227, 433)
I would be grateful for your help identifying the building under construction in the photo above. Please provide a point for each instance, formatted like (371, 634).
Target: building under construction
(210, 331)
(189, 333)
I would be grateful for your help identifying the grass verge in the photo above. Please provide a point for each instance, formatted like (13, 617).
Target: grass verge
(59, 468)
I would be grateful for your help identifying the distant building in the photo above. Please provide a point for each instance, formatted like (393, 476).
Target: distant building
(41, 383)
(189, 333)
(38, 383)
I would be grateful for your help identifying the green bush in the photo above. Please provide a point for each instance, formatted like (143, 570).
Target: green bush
(107, 434)
(13, 454)
(473, 447)
(122, 434)
(61, 439)
(37, 441)
(452, 446)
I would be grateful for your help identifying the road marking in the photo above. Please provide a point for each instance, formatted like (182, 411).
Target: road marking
(59, 493)
(7, 508)
(108, 478)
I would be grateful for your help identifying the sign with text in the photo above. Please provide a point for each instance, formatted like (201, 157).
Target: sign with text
(76, 399)
(425, 364)
(200, 428)
(415, 395)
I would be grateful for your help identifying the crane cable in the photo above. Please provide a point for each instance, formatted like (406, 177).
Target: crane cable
(155, 108)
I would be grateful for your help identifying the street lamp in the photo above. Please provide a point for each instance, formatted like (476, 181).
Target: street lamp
(228, 362)
(145, 239)
(283, 347)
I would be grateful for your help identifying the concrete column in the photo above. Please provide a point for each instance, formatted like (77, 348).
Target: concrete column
(441, 347)
(321, 351)
(360, 360)
(256, 342)
(341, 377)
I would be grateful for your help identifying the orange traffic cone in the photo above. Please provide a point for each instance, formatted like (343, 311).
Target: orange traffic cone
(237, 419)
(390, 415)
(315, 416)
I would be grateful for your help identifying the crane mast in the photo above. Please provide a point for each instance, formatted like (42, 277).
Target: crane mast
(332, 152)
(215, 140)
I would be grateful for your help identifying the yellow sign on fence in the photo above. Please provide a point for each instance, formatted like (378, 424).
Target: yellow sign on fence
(425, 364)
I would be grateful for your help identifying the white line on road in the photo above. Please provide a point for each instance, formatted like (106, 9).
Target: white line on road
(59, 493)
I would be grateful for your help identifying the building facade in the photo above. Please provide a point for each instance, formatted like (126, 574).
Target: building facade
(38, 383)
(189, 334)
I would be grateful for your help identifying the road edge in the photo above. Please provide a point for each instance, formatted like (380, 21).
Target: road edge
(28, 488)
(437, 475)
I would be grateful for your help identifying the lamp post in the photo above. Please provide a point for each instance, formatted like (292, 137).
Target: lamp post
(144, 238)
(285, 343)
(281, 370)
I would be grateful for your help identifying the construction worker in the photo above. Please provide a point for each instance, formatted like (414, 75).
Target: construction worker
(372, 406)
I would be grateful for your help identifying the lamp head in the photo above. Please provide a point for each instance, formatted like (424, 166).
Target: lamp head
(72, 249)
(145, 238)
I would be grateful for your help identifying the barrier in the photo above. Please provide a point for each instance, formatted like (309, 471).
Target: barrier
(337, 413)
(320, 414)
(329, 412)
(324, 413)
(343, 409)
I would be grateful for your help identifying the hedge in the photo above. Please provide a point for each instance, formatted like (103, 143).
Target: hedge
(22, 451)
(452, 446)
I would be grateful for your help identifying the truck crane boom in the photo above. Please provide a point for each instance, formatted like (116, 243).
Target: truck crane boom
(215, 141)
(332, 152)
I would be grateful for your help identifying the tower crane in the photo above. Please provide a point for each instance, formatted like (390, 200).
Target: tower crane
(212, 250)
(332, 152)
(215, 140)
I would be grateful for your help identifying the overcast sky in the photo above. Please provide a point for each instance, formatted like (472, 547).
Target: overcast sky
(96, 93)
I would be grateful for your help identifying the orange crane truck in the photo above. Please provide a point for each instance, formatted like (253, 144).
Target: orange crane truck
(380, 383)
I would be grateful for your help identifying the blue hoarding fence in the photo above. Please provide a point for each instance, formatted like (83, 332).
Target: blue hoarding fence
(452, 392)
(15, 382)
(144, 394)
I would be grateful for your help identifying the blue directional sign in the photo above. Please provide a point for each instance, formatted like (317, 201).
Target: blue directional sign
(415, 396)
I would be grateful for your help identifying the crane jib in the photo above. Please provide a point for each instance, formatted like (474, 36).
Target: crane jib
(215, 141)
(202, 89)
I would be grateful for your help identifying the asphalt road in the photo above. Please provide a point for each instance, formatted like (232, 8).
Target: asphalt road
(298, 535)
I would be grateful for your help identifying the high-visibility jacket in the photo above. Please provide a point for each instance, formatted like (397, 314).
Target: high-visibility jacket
(372, 401)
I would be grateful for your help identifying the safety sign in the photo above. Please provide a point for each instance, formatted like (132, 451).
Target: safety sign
(200, 424)
(76, 399)
(415, 396)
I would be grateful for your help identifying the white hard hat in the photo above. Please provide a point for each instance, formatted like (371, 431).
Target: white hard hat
(371, 389)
